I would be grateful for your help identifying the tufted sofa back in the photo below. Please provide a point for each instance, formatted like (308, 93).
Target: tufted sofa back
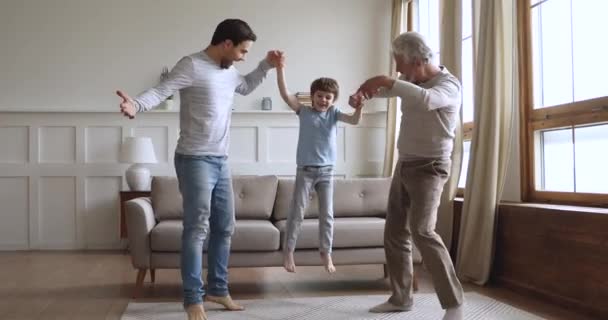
(254, 197)
(357, 197)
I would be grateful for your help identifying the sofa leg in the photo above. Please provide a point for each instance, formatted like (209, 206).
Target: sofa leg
(415, 281)
(139, 283)
(152, 275)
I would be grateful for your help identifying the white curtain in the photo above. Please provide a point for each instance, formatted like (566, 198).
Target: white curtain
(451, 53)
(393, 114)
(493, 46)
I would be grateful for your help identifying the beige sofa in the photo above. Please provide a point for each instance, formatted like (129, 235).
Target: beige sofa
(261, 204)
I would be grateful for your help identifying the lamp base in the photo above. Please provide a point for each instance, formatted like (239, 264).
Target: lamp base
(138, 177)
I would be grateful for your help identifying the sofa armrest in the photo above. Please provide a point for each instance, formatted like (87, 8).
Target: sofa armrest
(140, 221)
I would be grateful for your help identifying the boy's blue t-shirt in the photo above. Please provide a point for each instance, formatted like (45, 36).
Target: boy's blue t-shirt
(317, 138)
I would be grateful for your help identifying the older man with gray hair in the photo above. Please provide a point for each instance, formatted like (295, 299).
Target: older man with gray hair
(431, 101)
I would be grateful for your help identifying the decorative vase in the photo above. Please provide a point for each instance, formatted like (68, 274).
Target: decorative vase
(266, 103)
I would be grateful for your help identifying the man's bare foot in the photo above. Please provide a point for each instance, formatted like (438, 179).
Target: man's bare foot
(226, 301)
(288, 262)
(196, 312)
(327, 262)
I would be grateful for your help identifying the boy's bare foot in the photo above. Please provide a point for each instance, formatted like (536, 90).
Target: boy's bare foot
(196, 312)
(288, 262)
(327, 262)
(226, 301)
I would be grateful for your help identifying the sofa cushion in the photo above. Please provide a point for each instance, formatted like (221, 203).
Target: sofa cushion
(357, 197)
(166, 236)
(166, 198)
(249, 235)
(348, 233)
(254, 197)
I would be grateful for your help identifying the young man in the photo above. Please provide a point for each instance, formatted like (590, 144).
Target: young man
(431, 100)
(207, 81)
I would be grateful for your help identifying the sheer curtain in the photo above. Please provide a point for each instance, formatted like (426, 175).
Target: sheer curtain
(401, 9)
(450, 46)
(494, 103)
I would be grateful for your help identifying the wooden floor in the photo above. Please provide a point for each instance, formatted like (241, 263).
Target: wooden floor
(97, 285)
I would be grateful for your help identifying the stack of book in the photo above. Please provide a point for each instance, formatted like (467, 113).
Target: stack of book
(304, 98)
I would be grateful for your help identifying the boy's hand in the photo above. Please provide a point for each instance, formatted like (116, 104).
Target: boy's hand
(274, 58)
(126, 106)
(281, 60)
(356, 100)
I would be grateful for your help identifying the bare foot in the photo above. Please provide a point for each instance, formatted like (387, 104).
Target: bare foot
(454, 313)
(196, 312)
(327, 262)
(288, 262)
(226, 301)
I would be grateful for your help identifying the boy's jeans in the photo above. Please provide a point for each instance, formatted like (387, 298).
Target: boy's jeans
(206, 188)
(320, 178)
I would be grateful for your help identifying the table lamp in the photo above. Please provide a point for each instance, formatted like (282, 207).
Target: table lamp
(138, 151)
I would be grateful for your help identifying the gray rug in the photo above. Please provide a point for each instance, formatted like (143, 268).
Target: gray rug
(426, 306)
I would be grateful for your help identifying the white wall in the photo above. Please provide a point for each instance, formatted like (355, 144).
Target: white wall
(59, 55)
(60, 177)
(62, 60)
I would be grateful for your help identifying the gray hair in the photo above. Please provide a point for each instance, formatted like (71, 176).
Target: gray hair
(412, 46)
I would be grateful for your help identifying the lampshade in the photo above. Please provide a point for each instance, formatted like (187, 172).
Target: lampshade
(137, 150)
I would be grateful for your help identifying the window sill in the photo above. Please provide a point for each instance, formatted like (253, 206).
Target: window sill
(559, 207)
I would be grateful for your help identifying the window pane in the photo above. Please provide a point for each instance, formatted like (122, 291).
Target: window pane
(422, 17)
(433, 36)
(466, 155)
(467, 80)
(403, 26)
(537, 65)
(428, 23)
(590, 51)
(467, 18)
(591, 155)
(555, 44)
(557, 161)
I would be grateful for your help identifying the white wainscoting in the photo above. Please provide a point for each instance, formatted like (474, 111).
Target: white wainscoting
(60, 175)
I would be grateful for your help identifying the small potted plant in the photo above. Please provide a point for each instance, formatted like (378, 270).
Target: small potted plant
(167, 104)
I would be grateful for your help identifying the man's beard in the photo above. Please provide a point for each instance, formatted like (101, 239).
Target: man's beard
(225, 63)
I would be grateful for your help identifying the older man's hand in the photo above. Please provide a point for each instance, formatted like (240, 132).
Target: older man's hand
(371, 86)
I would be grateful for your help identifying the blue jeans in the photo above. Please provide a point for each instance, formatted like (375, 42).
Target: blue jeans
(307, 178)
(208, 203)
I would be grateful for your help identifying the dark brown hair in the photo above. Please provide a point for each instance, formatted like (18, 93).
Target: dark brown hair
(325, 84)
(235, 30)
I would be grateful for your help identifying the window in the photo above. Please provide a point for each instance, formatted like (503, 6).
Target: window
(428, 24)
(564, 101)
(466, 155)
(467, 90)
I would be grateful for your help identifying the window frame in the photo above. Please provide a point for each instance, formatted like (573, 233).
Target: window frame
(590, 111)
